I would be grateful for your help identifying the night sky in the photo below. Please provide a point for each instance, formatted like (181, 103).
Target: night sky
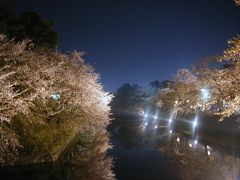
(138, 41)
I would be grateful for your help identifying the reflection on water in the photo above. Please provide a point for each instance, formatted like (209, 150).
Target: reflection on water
(192, 155)
(86, 160)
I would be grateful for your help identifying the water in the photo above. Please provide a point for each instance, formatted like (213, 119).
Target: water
(143, 153)
(150, 152)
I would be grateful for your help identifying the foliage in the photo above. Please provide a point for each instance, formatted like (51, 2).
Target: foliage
(237, 2)
(218, 76)
(126, 97)
(89, 160)
(28, 25)
(29, 80)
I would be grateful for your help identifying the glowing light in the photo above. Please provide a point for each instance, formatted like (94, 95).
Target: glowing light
(195, 142)
(156, 126)
(190, 145)
(145, 115)
(209, 153)
(55, 97)
(146, 123)
(194, 123)
(170, 120)
(178, 140)
(170, 131)
(205, 94)
(176, 101)
(155, 117)
(187, 101)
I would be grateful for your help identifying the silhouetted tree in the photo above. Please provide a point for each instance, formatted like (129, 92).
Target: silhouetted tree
(28, 25)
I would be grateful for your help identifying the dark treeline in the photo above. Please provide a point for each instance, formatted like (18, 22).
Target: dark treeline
(132, 97)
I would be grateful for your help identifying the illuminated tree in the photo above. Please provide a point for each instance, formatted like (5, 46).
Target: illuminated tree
(182, 95)
(49, 86)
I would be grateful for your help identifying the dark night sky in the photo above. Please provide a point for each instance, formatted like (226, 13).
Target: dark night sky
(138, 41)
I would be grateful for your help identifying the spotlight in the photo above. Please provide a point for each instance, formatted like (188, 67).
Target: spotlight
(195, 142)
(209, 153)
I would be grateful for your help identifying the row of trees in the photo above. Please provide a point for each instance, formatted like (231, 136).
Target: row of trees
(28, 25)
(45, 99)
(213, 85)
(129, 97)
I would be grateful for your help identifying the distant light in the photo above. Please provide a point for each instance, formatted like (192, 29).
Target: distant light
(178, 140)
(145, 115)
(156, 126)
(187, 101)
(176, 101)
(155, 117)
(146, 123)
(208, 147)
(209, 153)
(55, 97)
(170, 131)
(195, 142)
(170, 120)
(190, 145)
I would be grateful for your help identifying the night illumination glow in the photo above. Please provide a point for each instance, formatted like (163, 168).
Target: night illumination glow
(209, 153)
(155, 117)
(195, 142)
(146, 123)
(190, 145)
(205, 94)
(194, 123)
(156, 126)
(170, 131)
(55, 97)
(178, 140)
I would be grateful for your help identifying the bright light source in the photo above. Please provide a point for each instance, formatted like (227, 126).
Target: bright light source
(145, 115)
(155, 117)
(209, 153)
(178, 140)
(170, 120)
(194, 123)
(55, 97)
(187, 101)
(146, 123)
(156, 126)
(205, 94)
(176, 101)
(190, 145)
(195, 142)
(170, 131)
